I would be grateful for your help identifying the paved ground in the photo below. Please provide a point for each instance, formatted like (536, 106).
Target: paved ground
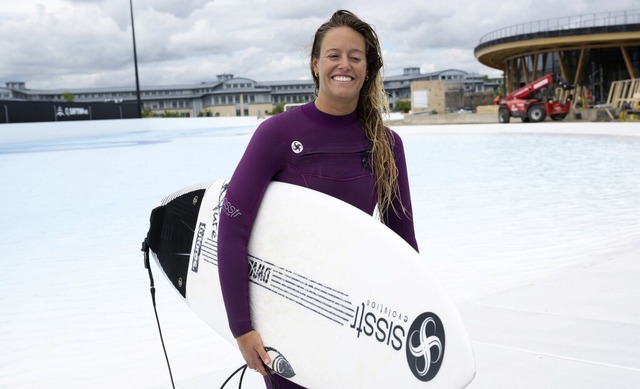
(489, 114)
(580, 329)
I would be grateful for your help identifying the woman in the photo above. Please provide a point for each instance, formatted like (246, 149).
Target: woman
(337, 145)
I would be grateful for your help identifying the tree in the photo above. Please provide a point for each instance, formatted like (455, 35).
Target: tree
(403, 106)
(68, 97)
(278, 108)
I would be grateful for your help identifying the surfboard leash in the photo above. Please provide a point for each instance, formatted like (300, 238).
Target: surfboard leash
(152, 287)
(148, 243)
(243, 368)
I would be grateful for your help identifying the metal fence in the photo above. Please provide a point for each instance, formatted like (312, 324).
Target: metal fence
(604, 19)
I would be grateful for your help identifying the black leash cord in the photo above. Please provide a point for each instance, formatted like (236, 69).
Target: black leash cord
(145, 250)
(272, 383)
(243, 368)
(152, 287)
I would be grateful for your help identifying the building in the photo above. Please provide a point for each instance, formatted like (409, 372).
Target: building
(590, 52)
(239, 96)
(454, 89)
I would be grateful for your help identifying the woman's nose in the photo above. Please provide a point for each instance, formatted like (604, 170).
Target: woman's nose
(344, 63)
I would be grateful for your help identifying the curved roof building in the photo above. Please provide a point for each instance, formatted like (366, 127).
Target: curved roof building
(588, 51)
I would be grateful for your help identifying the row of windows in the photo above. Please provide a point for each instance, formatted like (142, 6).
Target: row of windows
(293, 87)
(235, 99)
(83, 96)
(292, 99)
(238, 86)
(175, 104)
(166, 93)
(216, 100)
(227, 100)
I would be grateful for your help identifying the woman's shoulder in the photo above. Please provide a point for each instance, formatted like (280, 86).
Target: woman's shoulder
(281, 123)
(395, 137)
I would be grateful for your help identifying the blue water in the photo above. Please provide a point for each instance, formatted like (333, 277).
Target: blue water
(491, 211)
(523, 202)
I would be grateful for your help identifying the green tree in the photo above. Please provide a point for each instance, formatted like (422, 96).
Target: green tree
(403, 106)
(278, 108)
(68, 97)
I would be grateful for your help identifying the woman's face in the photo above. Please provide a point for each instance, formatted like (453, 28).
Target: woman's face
(341, 69)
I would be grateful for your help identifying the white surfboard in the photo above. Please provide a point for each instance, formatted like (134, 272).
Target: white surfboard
(340, 300)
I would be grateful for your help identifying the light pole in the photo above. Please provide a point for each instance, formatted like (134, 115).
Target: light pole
(135, 61)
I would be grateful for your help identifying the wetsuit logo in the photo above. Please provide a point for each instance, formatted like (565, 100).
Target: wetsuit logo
(230, 210)
(425, 346)
(297, 147)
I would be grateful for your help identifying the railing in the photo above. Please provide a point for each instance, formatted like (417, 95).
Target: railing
(603, 19)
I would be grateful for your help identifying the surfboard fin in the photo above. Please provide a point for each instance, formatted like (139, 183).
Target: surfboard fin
(170, 236)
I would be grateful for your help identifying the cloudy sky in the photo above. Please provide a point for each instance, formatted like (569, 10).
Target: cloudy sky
(52, 44)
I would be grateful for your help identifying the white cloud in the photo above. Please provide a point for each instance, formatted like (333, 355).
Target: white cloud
(86, 43)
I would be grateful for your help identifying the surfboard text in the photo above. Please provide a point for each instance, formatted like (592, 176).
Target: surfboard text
(214, 224)
(386, 311)
(197, 247)
(259, 272)
(385, 331)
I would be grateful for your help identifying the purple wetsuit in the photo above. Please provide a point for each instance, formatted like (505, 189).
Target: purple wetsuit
(309, 148)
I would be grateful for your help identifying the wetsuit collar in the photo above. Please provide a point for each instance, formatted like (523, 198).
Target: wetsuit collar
(311, 111)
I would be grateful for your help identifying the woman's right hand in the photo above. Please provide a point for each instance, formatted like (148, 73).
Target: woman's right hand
(253, 351)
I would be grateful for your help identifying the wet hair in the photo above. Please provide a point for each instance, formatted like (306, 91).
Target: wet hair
(372, 102)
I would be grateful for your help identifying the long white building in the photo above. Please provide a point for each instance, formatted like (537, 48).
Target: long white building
(236, 96)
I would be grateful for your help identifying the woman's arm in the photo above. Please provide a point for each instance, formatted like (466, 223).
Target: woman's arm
(400, 217)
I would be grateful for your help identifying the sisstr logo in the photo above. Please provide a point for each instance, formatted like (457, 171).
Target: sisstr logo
(423, 340)
(425, 346)
(383, 324)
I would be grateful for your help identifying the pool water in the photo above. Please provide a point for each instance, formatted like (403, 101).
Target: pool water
(491, 211)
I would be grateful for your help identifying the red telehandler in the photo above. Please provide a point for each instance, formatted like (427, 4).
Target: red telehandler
(535, 101)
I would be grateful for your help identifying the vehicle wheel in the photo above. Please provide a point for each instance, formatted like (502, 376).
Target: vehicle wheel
(503, 115)
(558, 117)
(537, 113)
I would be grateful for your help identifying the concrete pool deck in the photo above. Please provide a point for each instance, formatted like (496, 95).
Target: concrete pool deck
(578, 329)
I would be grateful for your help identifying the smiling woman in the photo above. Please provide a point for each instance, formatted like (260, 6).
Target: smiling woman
(337, 145)
(340, 70)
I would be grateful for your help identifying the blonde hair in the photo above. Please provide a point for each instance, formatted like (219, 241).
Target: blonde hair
(371, 105)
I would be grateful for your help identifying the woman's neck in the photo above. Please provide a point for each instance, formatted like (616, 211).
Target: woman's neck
(335, 108)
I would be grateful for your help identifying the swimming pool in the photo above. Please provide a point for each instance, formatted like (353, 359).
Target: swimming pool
(492, 210)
